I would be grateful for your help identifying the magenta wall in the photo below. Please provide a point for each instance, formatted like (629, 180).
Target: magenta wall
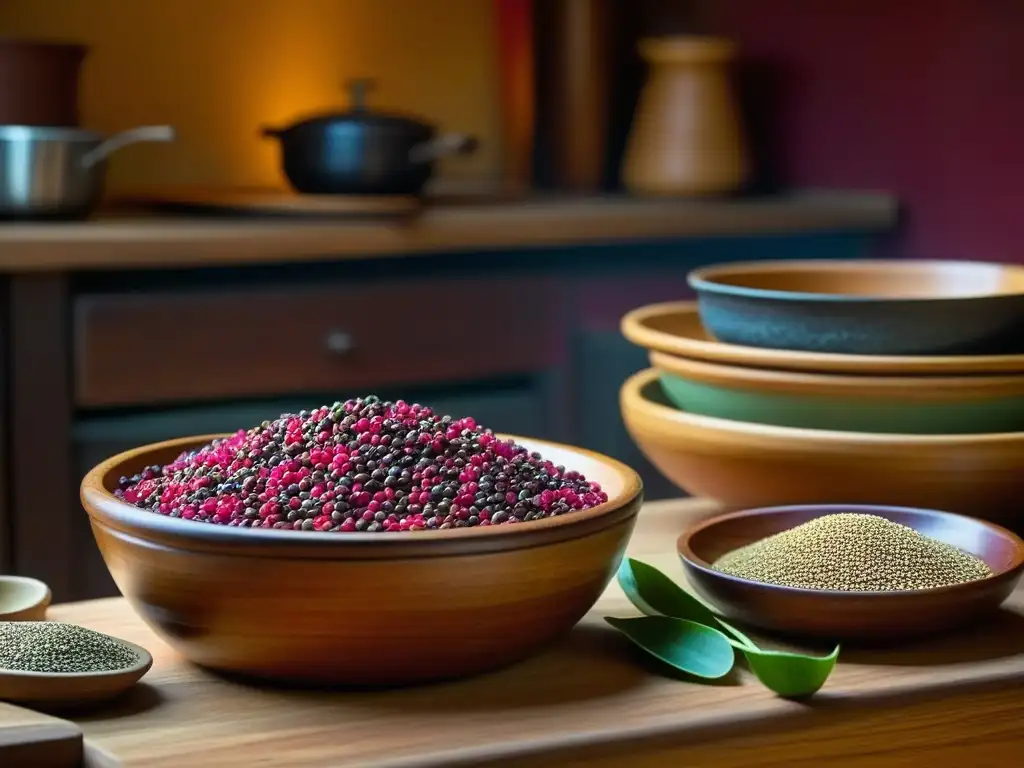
(921, 97)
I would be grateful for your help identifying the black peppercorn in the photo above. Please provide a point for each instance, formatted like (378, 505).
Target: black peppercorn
(410, 469)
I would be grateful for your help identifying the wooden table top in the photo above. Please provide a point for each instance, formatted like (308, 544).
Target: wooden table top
(588, 700)
(149, 242)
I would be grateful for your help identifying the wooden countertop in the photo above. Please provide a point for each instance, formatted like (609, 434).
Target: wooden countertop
(166, 241)
(587, 701)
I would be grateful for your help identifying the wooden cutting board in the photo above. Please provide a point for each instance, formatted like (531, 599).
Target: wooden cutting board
(29, 738)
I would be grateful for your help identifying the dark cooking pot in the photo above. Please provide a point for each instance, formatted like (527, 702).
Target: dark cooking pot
(363, 152)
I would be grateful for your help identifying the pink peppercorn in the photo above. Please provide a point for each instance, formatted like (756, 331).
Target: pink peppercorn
(361, 466)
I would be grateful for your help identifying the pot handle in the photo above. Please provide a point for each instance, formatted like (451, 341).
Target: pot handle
(123, 139)
(449, 144)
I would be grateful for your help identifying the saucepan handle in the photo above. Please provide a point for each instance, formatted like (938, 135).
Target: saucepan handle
(123, 139)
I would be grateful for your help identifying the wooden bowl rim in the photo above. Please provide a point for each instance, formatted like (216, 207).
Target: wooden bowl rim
(728, 374)
(106, 509)
(141, 668)
(707, 278)
(43, 601)
(636, 328)
(632, 396)
(694, 561)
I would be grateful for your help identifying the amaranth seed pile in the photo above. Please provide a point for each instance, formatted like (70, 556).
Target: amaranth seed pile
(50, 646)
(853, 552)
(362, 465)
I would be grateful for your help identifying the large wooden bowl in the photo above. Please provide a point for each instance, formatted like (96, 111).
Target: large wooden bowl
(745, 465)
(358, 608)
(675, 328)
(897, 307)
(840, 615)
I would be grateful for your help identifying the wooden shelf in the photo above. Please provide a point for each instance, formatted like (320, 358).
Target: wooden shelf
(160, 242)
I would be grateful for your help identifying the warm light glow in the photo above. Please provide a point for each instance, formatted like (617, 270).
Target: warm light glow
(219, 70)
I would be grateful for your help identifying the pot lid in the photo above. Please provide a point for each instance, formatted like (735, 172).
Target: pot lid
(363, 115)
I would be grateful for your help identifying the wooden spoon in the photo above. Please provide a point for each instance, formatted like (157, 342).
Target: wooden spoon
(23, 599)
(60, 690)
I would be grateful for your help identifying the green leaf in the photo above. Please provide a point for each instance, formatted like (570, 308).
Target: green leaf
(785, 673)
(687, 646)
(791, 675)
(655, 594)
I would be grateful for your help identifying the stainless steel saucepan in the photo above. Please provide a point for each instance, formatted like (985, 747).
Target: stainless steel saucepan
(58, 173)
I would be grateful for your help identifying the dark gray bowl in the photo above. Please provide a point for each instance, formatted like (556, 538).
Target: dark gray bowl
(865, 307)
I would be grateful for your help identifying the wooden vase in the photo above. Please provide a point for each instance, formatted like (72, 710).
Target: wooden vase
(687, 137)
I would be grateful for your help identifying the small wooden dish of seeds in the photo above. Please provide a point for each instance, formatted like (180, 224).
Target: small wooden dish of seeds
(52, 665)
(844, 572)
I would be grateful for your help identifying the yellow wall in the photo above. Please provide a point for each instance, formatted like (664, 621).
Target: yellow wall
(219, 69)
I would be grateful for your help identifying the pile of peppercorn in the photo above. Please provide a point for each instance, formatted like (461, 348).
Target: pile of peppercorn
(362, 465)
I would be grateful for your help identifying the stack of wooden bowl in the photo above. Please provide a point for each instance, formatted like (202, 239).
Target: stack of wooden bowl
(878, 382)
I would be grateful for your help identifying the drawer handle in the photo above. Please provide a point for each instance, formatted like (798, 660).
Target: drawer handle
(339, 342)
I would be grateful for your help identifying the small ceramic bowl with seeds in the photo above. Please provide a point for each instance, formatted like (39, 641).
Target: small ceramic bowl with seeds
(845, 572)
(53, 665)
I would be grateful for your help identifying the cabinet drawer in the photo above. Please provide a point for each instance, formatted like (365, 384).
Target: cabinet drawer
(134, 349)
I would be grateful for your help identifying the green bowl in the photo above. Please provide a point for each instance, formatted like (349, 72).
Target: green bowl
(889, 405)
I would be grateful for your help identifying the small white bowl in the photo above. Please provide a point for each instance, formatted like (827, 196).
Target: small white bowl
(23, 599)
